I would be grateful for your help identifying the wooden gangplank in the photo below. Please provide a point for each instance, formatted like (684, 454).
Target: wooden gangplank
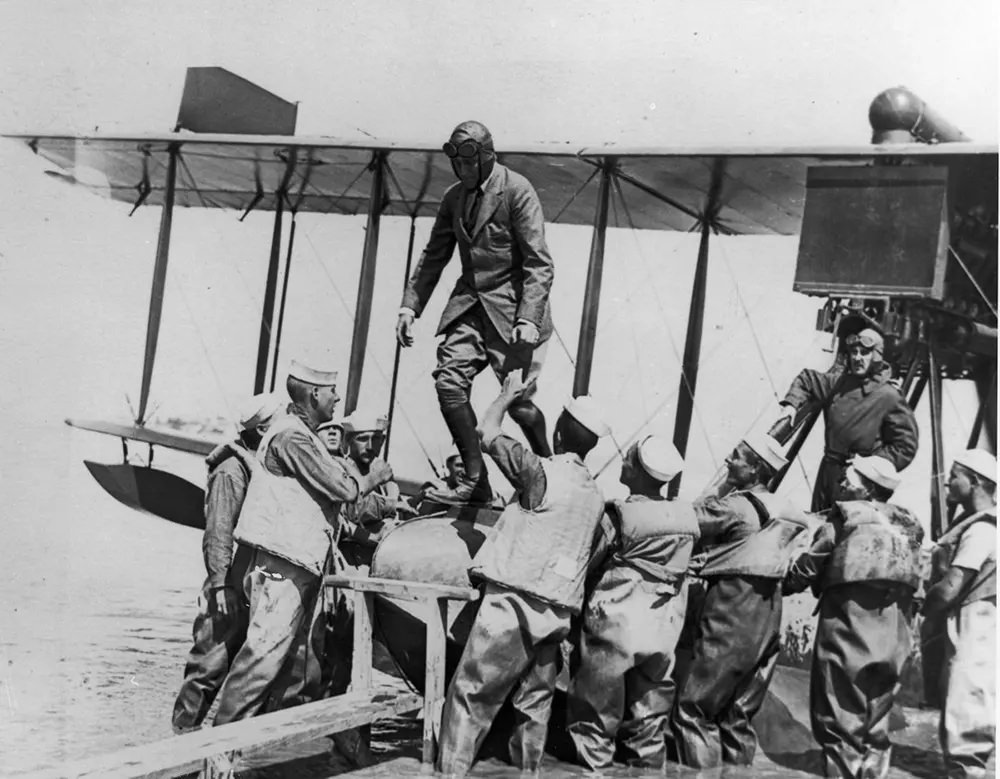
(211, 751)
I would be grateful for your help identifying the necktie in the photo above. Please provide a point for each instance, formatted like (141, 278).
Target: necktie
(471, 209)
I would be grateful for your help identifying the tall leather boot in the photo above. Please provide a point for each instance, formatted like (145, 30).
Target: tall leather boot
(532, 423)
(475, 486)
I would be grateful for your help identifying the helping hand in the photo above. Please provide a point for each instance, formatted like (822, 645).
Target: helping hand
(404, 510)
(514, 385)
(525, 333)
(379, 472)
(404, 329)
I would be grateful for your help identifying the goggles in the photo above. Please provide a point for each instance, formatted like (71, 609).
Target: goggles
(864, 339)
(467, 149)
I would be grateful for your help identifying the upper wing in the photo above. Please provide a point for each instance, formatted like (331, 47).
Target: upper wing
(750, 190)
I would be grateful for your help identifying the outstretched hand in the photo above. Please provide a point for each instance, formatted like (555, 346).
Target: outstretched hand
(514, 386)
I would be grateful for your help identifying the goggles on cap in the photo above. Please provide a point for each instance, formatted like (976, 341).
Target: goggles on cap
(864, 340)
(467, 149)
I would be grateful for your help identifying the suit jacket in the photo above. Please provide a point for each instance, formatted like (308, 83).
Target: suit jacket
(506, 264)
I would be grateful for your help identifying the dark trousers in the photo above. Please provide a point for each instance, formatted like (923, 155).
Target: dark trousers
(513, 649)
(217, 639)
(735, 650)
(862, 642)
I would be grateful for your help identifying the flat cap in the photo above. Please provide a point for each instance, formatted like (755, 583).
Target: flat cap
(320, 378)
(979, 461)
(338, 423)
(585, 410)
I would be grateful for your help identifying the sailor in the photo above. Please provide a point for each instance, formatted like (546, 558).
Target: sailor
(747, 537)
(221, 625)
(332, 435)
(375, 513)
(498, 313)
(290, 522)
(533, 567)
(864, 566)
(964, 592)
(633, 618)
(864, 413)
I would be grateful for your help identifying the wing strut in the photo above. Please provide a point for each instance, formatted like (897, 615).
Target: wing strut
(267, 313)
(284, 298)
(696, 321)
(366, 284)
(395, 361)
(592, 289)
(159, 282)
(271, 285)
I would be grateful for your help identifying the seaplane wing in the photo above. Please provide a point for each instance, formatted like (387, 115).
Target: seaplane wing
(746, 190)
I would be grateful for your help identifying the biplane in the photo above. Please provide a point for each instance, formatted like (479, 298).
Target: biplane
(900, 233)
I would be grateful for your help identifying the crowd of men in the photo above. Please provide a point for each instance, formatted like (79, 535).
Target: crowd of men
(631, 585)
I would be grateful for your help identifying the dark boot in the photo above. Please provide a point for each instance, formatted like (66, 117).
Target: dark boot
(475, 487)
(532, 423)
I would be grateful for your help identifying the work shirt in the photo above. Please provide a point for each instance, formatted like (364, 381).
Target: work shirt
(228, 478)
(293, 453)
(864, 415)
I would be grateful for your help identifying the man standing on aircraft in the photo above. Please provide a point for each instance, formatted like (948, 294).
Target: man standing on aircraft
(864, 566)
(864, 413)
(964, 591)
(221, 626)
(747, 536)
(290, 523)
(534, 567)
(633, 618)
(498, 313)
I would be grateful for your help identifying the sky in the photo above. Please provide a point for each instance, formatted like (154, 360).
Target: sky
(76, 270)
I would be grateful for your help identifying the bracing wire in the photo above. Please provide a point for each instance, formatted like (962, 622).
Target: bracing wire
(663, 314)
(975, 283)
(368, 352)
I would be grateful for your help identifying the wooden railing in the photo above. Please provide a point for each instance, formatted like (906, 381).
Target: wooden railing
(211, 751)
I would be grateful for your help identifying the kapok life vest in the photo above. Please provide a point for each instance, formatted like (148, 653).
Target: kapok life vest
(877, 542)
(281, 517)
(766, 552)
(544, 551)
(657, 537)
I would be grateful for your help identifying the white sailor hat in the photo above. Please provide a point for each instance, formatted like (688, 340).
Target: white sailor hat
(259, 409)
(309, 375)
(336, 422)
(363, 422)
(585, 410)
(659, 458)
(979, 461)
(767, 448)
(878, 470)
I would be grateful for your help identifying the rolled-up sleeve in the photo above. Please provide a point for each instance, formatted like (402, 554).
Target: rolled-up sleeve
(522, 467)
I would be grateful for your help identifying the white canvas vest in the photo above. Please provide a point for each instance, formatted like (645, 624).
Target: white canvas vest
(984, 584)
(544, 552)
(281, 517)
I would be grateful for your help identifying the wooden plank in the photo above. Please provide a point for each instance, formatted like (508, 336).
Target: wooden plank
(437, 629)
(186, 754)
(361, 666)
(406, 590)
